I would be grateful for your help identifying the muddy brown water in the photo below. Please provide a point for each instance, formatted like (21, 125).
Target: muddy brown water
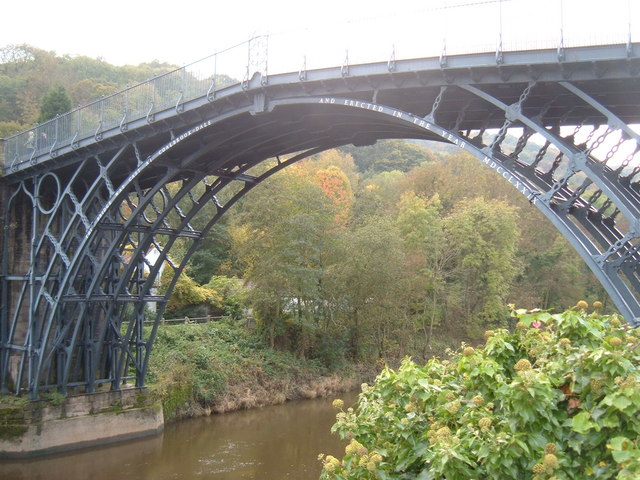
(271, 443)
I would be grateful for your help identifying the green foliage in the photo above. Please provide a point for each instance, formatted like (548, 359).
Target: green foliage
(9, 128)
(9, 91)
(379, 194)
(367, 284)
(485, 236)
(431, 254)
(232, 292)
(194, 366)
(556, 272)
(13, 422)
(557, 398)
(211, 255)
(28, 73)
(283, 248)
(187, 295)
(388, 155)
(55, 102)
(54, 398)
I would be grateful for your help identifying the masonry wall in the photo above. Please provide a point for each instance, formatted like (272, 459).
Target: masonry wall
(45, 427)
(16, 221)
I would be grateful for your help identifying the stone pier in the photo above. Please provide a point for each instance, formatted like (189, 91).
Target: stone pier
(56, 425)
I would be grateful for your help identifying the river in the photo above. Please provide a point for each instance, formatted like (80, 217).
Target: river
(271, 443)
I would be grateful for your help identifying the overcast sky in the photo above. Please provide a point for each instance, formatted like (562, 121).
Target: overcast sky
(133, 31)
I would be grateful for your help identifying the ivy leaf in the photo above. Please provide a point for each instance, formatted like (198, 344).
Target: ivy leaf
(621, 402)
(618, 443)
(621, 451)
(617, 400)
(544, 316)
(581, 423)
(575, 444)
(424, 383)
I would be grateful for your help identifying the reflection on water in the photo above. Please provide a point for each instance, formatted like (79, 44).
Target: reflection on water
(270, 443)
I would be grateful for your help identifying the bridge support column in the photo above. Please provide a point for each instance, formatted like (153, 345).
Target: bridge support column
(44, 427)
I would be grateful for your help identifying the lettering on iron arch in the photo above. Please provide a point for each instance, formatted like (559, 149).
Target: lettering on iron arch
(504, 173)
(422, 123)
(146, 163)
(180, 138)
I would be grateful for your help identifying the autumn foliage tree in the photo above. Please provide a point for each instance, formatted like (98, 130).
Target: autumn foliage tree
(336, 186)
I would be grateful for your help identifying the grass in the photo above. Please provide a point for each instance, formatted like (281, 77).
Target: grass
(221, 366)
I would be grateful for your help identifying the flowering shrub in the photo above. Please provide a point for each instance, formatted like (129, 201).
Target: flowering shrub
(558, 398)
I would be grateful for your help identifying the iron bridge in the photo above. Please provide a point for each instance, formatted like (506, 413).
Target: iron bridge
(93, 201)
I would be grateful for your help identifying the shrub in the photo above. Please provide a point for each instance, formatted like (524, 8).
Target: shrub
(557, 398)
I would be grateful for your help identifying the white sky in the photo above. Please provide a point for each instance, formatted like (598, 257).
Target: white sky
(133, 31)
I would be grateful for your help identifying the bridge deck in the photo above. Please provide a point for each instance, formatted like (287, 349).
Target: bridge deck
(608, 73)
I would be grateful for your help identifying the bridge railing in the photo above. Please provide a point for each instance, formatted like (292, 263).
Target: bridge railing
(170, 90)
(435, 29)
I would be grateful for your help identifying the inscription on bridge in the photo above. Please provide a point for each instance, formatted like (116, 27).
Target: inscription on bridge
(442, 132)
(504, 173)
(186, 134)
(145, 164)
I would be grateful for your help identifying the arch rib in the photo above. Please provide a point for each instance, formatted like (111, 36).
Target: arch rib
(82, 255)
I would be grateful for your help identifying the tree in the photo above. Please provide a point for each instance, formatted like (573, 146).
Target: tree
(283, 235)
(189, 298)
(88, 90)
(336, 158)
(211, 255)
(368, 280)
(55, 102)
(388, 155)
(336, 186)
(379, 195)
(430, 256)
(9, 128)
(485, 233)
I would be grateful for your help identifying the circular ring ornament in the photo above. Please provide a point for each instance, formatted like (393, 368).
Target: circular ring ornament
(48, 193)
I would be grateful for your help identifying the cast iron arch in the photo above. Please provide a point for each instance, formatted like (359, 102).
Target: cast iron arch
(115, 207)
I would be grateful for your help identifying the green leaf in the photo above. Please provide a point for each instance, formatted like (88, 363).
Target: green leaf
(610, 421)
(425, 475)
(619, 443)
(617, 400)
(623, 450)
(622, 456)
(581, 423)
(424, 383)
(575, 444)
(621, 402)
(522, 445)
(544, 316)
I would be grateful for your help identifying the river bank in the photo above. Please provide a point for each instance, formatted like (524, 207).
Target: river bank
(218, 367)
(196, 370)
